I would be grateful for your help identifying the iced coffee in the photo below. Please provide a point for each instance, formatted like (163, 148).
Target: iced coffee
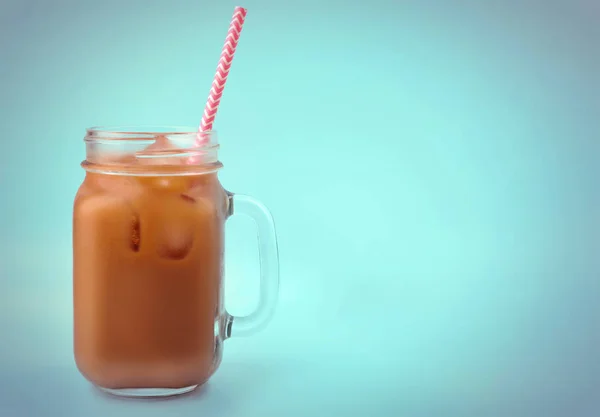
(148, 229)
(148, 256)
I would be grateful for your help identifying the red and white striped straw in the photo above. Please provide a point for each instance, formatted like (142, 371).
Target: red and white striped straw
(216, 91)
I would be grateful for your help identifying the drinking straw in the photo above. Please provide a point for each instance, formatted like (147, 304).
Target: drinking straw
(218, 84)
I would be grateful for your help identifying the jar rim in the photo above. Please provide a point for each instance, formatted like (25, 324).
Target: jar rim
(144, 132)
(151, 150)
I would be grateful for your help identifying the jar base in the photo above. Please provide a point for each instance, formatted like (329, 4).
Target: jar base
(148, 392)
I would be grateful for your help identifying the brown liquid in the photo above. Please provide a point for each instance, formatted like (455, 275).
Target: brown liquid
(147, 279)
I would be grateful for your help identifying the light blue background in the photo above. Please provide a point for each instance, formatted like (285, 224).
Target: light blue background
(432, 167)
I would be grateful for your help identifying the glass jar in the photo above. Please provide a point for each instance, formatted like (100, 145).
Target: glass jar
(148, 229)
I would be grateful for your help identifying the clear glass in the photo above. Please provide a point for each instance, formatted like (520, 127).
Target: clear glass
(148, 231)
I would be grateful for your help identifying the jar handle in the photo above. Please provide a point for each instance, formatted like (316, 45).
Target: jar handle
(269, 267)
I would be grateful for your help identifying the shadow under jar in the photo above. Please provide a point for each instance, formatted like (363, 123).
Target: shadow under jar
(148, 230)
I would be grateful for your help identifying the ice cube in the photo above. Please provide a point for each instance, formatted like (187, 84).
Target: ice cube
(176, 241)
(106, 219)
(188, 198)
(164, 183)
(135, 233)
(175, 225)
(161, 152)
